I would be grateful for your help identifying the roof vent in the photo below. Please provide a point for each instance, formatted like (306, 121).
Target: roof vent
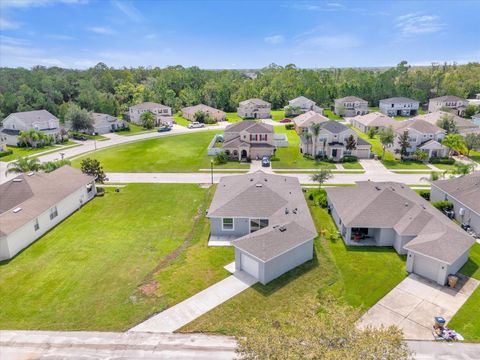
(286, 211)
(282, 228)
(258, 185)
(378, 188)
(265, 179)
(406, 204)
(17, 180)
(16, 210)
(294, 211)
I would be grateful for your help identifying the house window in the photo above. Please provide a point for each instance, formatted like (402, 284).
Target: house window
(257, 224)
(36, 226)
(227, 224)
(53, 213)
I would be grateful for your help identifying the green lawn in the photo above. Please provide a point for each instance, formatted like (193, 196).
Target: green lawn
(329, 113)
(475, 156)
(291, 158)
(135, 130)
(113, 263)
(352, 165)
(467, 320)
(447, 167)
(175, 153)
(359, 276)
(405, 164)
(181, 120)
(232, 117)
(29, 151)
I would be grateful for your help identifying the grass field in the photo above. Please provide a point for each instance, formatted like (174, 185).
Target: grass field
(360, 276)
(467, 320)
(352, 165)
(291, 158)
(475, 156)
(181, 120)
(329, 113)
(232, 117)
(278, 115)
(106, 266)
(32, 152)
(135, 130)
(176, 153)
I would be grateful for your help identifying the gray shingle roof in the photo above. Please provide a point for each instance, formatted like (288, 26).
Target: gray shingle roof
(202, 107)
(465, 189)
(333, 126)
(375, 119)
(448, 98)
(398, 100)
(148, 106)
(435, 116)
(36, 194)
(31, 117)
(350, 99)
(250, 126)
(421, 126)
(255, 101)
(309, 118)
(396, 206)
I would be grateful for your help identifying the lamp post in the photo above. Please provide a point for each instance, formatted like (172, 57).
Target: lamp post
(95, 141)
(211, 169)
(62, 155)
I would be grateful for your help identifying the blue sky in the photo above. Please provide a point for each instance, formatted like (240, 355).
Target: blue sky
(236, 34)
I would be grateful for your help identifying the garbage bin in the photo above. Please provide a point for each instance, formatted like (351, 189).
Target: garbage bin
(439, 322)
(452, 280)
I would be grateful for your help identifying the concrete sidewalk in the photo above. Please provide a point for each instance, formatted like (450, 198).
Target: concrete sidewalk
(188, 310)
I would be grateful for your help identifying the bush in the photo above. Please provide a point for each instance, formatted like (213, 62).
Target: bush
(322, 199)
(310, 196)
(425, 194)
(349, 158)
(290, 126)
(442, 160)
(6, 153)
(274, 158)
(221, 158)
(443, 205)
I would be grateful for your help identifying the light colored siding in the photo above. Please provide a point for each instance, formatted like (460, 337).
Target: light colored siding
(241, 226)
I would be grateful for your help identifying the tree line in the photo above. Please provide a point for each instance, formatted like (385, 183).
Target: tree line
(112, 91)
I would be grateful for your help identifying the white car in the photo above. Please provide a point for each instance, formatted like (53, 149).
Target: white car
(195, 125)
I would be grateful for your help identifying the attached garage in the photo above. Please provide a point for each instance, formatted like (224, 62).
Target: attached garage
(426, 267)
(250, 265)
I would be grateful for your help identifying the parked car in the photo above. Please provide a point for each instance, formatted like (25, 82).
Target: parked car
(164, 128)
(79, 137)
(285, 121)
(265, 161)
(195, 125)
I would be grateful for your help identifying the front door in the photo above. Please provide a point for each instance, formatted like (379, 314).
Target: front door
(334, 153)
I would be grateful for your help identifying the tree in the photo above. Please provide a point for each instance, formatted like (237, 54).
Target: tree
(315, 129)
(321, 176)
(472, 142)
(203, 117)
(371, 133)
(50, 166)
(471, 110)
(447, 123)
(387, 137)
(78, 118)
(463, 169)
(455, 143)
(93, 168)
(33, 138)
(420, 155)
(326, 331)
(404, 144)
(148, 120)
(350, 144)
(23, 165)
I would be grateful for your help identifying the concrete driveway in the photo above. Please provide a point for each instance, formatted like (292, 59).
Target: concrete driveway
(413, 304)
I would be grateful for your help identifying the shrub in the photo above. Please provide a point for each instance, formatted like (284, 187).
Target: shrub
(289, 126)
(274, 158)
(443, 205)
(349, 158)
(322, 199)
(442, 160)
(425, 194)
(310, 196)
(221, 158)
(5, 153)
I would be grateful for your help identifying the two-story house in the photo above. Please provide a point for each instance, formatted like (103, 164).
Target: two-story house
(301, 105)
(304, 121)
(162, 113)
(399, 106)
(350, 106)
(331, 142)
(254, 109)
(421, 135)
(464, 126)
(40, 120)
(375, 120)
(248, 140)
(454, 104)
(190, 112)
(266, 219)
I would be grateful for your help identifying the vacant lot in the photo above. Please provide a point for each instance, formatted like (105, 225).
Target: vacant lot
(114, 262)
(175, 153)
(360, 276)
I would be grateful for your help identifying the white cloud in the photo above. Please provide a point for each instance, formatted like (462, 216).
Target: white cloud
(414, 24)
(7, 24)
(275, 39)
(102, 30)
(129, 10)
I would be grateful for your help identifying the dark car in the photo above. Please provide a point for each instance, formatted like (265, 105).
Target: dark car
(265, 161)
(164, 128)
(285, 121)
(79, 137)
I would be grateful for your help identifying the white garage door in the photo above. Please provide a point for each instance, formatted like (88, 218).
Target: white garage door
(426, 267)
(249, 265)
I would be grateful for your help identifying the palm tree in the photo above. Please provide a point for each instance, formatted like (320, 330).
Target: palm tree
(315, 129)
(454, 142)
(307, 137)
(22, 165)
(386, 136)
(50, 166)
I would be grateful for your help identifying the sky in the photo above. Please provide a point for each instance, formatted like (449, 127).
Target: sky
(237, 34)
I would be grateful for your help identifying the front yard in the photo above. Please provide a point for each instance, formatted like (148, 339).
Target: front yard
(23, 151)
(360, 276)
(113, 263)
(175, 153)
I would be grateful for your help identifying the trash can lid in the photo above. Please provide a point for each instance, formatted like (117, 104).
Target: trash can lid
(440, 320)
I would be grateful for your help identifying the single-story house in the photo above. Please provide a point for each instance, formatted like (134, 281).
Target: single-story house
(455, 104)
(40, 120)
(464, 193)
(267, 220)
(35, 202)
(301, 105)
(254, 109)
(304, 121)
(464, 126)
(392, 214)
(249, 139)
(373, 120)
(103, 124)
(190, 111)
(399, 106)
(350, 106)
(158, 110)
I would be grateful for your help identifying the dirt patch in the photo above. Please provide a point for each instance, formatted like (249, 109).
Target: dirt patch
(149, 289)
